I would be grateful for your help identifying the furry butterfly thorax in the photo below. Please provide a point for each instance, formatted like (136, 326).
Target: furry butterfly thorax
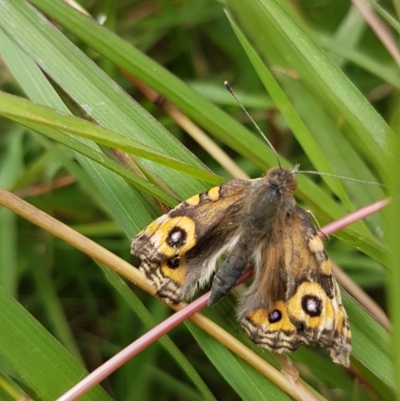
(294, 298)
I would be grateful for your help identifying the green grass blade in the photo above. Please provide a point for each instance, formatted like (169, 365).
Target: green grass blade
(96, 93)
(142, 67)
(371, 343)
(245, 380)
(322, 78)
(22, 110)
(323, 146)
(326, 146)
(384, 14)
(393, 280)
(39, 358)
(144, 315)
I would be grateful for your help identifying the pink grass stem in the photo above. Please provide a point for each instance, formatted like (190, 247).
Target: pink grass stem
(139, 345)
(379, 27)
(353, 217)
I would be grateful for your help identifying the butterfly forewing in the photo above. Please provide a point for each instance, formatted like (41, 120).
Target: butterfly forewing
(179, 250)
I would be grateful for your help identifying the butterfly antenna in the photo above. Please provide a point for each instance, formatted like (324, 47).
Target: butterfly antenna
(341, 177)
(230, 90)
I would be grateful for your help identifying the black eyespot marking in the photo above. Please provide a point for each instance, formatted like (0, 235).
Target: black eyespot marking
(176, 237)
(312, 305)
(275, 316)
(173, 263)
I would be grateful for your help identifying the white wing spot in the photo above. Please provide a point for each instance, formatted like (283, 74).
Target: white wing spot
(176, 236)
(312, 305)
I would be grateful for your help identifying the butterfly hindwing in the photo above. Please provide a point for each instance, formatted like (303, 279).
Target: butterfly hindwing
(307, 307)
(313, 296)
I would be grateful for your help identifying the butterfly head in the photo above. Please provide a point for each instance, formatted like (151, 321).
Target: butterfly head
(282, 180)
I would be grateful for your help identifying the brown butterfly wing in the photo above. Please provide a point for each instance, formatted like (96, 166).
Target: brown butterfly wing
(263, 311)
(313, 297)
(295, 298)
(179, 250)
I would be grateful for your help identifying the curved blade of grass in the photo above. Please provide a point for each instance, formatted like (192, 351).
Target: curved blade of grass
(103, 160)
(10, 169)
(245, 380)
(37, 356)
(393, 220)
(371, 343)
(385, 15)
(23, 110)
(386, 72)
(322, 78)
(143, 68)
(393, 214)
(144, 315)
(322, 141)
(93, 91)
(308, 143)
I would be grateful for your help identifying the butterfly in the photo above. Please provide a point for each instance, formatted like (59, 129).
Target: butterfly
(294, 298)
